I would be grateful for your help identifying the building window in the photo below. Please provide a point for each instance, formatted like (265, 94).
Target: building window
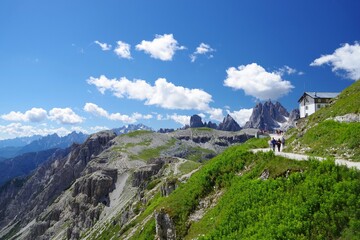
(306, 107)
(318, 106)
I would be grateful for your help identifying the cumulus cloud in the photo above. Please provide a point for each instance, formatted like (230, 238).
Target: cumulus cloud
(181, 119)
(123, 50)
(104, 46)
(241, 116)
(32, 115)
(288, 70)
(98, 128)
(215, 114)
(98, 111)
(257, 82)
(162, 47)
(202, 49)
(345, 58)
(64, 116)
(18, 130)
(163, 93)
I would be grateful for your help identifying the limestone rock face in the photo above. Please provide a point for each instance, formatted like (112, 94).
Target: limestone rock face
(143, 174)
(165, 228)
(168, 187)
(97, 186)
(267, 116)
(229, 124)
(195, 121)
(50, 180)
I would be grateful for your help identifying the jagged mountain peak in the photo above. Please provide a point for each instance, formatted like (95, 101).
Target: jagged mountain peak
(229, 124)
(268, 116)
(130, 127)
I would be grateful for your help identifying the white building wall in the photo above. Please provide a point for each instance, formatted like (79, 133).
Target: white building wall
(307, 107)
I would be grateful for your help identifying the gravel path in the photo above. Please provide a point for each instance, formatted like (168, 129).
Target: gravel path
(302, 157)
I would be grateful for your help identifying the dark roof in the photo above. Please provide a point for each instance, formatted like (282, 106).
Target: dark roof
(320, 95)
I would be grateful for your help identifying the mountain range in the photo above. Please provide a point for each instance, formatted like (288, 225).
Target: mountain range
(196, 182)
(267, 116)
(35, 144)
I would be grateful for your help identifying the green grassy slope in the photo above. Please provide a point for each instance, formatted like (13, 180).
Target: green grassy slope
(317, 201)
(321, 136)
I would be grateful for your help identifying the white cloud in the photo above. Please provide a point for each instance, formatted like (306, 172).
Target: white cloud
(257, 82)
(163, 94)
(287, 70)
(18, 130)
(202, 49)
(32, 115)
(241, 116)
(79, 129)
(345, 58)
(215, 114)
(163, 47)
(98, 111)
(95, 110)
(98, 128)
(64, 116)
(123, 50)
(104, 46)
(182, 119)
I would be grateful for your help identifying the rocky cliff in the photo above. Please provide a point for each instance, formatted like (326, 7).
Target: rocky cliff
(106, 180)
(48, 182)
(267, 116)
(228, 124)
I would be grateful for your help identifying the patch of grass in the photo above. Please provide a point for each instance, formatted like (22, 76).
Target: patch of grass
(198, 154)
(137, 133)
(153, 183)
(149, 153)
(188, 166)
(330, 138)
(204, 129)
(325, 137)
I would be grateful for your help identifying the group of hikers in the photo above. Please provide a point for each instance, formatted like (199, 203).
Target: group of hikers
(277, 143)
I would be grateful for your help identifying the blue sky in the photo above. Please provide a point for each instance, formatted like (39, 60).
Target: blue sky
(90, 65)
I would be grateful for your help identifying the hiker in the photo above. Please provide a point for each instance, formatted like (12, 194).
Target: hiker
(273, 142)
(283, 142)
(278, 144)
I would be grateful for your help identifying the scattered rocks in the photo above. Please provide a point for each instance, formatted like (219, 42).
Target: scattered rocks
(265, 174)
(165, 227)
(351, 117)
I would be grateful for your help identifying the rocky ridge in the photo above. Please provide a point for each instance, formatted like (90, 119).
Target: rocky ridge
(105, 180)
(269, 116)
(228, 124)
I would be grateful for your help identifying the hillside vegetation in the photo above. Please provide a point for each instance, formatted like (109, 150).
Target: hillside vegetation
(321, 135)
(299, 200)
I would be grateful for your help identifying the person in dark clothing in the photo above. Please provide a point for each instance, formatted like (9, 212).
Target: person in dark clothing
(278, 144)
(273, 142)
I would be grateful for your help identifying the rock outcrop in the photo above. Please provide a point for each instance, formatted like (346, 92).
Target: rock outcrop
(50, 180)
(96, 186)
(144, 174)
(195, 121)
(168, 186)
(229, 124)
(165, 227)
(267, 116)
